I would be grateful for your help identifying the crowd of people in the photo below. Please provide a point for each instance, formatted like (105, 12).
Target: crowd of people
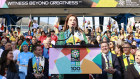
(27, 56)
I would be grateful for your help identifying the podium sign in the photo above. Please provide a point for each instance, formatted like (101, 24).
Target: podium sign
(75, 61)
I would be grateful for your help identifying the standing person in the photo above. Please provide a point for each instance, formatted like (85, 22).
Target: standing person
(133, 50)
(4, 36)
(133, 70)
(38, 34)
(53, 37)
(34, 41)
(30, 47)
(23, 59)
(18, 32)
(8, 68)
(8, 46)
(15, 51)
(73, 35)
(115, 26)
(19, 44)
(13, 38)
(98, 38)
(112, 47)
(126, 59)
(116, 32)
(35, 25)
(38, 65)
(110, 64)
(105, 39)
(3, 42)
(42, 37)
(34, 32)
(72, 31)
(107, 31)
(46, 47)
(118, 50)
(113, 37)
(28, 35)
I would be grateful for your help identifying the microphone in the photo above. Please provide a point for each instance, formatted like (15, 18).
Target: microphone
(72, 32)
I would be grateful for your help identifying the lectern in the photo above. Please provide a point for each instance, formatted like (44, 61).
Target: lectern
(75, 59)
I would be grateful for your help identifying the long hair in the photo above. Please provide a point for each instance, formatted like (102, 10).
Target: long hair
(66, 27)
(3, 65)
(113, 45)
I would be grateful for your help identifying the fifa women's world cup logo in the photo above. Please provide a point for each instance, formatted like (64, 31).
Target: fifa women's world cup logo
(75, 60)
(75, 55)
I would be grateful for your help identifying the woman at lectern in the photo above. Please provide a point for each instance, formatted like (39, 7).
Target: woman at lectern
(72, 36)
(72, 33)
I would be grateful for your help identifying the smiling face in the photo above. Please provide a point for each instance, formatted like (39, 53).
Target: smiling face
(72, 22)
(104, 48)
(111, 45)
(126, 49)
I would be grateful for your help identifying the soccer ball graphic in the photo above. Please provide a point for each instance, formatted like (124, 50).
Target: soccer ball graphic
(75, 53)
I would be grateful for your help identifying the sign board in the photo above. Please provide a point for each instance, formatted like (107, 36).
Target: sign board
(67, 3)
(75, 61)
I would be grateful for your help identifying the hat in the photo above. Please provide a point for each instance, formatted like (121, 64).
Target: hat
(15, 32)
(105, 37)
(24, 43)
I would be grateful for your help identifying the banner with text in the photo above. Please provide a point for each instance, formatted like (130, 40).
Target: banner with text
(67, 3)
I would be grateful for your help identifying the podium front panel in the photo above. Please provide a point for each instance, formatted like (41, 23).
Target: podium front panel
(75, 61)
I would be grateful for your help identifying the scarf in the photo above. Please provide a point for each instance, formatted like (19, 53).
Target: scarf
(78, 37)
(125, 60)
(110, 76)
(137, 67)
(113, 52)
(39, 69)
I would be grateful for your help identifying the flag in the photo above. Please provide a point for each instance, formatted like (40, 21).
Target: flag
(109, 24)
(56, 23)
(2, 25)
(132, 22)
(30, 22)
(84, 21)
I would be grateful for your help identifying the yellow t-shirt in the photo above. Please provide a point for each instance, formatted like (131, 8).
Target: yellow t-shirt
(13, 38)
(115, 38)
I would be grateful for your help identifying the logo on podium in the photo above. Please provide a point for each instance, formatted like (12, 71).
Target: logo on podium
(75, 60)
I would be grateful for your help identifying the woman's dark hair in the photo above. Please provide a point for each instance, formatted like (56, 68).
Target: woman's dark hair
(66, 22)
(42, 32)
(113, 44)
(3, 65)
(19, 40)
